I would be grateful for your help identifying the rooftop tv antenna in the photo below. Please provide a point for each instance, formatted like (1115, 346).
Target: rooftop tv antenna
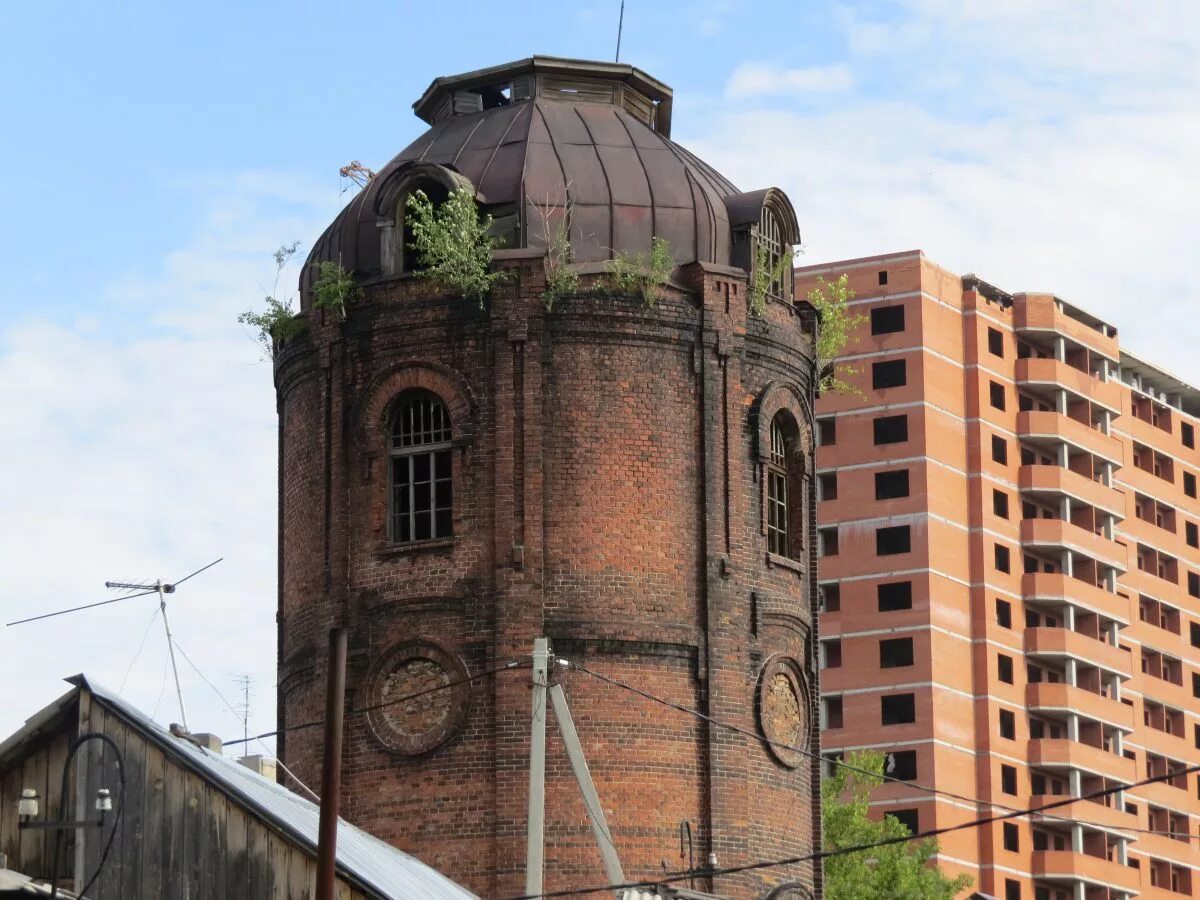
(244, 683)
(160, 587)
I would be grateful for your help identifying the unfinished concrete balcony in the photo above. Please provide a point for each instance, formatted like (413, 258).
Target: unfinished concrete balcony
(1053, 374)
(1058, 588)
(1084, 811)
(1068, 867)
(1046, 315)
(1050, 426)
(1050, 482)
(1059, 699)
(1053, 535)
(1061, 753)
(1064, 643)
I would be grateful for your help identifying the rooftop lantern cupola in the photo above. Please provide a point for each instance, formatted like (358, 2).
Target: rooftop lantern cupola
(549, 78)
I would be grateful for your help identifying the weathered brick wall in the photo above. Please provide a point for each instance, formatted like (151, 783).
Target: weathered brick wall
(608, 495)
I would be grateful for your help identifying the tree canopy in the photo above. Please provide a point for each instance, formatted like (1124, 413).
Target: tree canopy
(882, 873)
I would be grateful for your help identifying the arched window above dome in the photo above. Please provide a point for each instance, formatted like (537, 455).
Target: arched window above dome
(391, 209)
(764, 232)
(771, 248)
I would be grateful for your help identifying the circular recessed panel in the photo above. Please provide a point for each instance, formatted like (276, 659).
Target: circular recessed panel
(790, 892)
(414, 708)
(783, 710)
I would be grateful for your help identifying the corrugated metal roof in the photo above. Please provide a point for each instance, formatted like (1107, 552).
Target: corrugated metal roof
(361, 858)
(14, 884)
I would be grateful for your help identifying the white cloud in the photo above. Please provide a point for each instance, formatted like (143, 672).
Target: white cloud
(141, 443)
(757, 79)
(1044, 146)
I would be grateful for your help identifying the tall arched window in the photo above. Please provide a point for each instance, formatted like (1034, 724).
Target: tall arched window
(785, 489)
(771, 248)
(422, 489)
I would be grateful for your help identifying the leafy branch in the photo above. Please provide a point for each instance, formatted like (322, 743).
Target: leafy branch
(334, 288)
(764, 275)
(561, 279)
(895, 870)
(643, 273)
(453, 243)
(278, 322)
(831, 300)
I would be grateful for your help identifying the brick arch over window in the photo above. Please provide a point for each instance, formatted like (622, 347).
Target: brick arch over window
(444, 382)
(390, 207)
(773, 398)
(373, 434)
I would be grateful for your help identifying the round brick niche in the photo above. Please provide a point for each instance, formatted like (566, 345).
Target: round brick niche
(783, 709)
(417, 669)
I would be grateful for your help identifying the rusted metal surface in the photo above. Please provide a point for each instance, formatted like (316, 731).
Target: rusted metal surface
(622, 180)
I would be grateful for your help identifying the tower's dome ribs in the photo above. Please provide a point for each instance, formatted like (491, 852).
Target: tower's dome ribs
(547, 134)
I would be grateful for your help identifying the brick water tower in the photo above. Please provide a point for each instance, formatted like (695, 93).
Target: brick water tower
(627, 473)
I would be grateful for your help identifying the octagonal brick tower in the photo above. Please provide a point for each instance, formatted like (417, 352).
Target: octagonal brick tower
(631, 481)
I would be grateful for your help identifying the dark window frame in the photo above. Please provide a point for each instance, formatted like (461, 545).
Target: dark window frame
(420, 463)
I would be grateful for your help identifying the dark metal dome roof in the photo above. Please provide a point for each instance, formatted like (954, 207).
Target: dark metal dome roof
(559, 134)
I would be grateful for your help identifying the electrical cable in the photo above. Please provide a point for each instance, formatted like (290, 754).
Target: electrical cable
(288, 771)
(145, 634)
(855, 848)
(514, 664)
(917, 786)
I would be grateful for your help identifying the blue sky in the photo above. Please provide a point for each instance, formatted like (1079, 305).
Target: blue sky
(155, 155)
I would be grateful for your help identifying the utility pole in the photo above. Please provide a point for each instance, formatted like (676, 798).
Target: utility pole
(331, 768)
(536, 825)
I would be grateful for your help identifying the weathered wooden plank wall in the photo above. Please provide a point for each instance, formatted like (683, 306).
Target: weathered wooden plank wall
(180, 838)
(29, 851)
(183, 839)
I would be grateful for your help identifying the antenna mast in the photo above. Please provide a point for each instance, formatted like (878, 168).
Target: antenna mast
(159, 587)
(620, 28)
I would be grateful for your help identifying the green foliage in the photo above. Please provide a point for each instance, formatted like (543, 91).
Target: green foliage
(881, 873)
(453, 243)
(643, 273)
(764, 275)
(334, 288)
(561, 279)
(831, 299)
(278, 322)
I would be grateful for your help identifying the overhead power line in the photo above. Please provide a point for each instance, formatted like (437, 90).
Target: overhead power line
(759, 865)
(913, 785)
(511, 665)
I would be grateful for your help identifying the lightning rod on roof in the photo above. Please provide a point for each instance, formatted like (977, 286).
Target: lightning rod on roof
(620, 27)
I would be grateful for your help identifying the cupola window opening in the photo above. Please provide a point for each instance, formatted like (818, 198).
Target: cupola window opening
(785, 489)
(421, 485)
(770, 248)
(438, 193)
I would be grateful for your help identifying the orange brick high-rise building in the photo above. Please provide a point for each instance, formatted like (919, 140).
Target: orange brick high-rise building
(1010, 539)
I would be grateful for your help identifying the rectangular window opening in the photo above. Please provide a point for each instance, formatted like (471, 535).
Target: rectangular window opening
(887, 319)
(898, 709)
(995, 342)
(888, 374)
(895, 653)
(890, 485)
(891, 429)
(893, 540)
(894, 595)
